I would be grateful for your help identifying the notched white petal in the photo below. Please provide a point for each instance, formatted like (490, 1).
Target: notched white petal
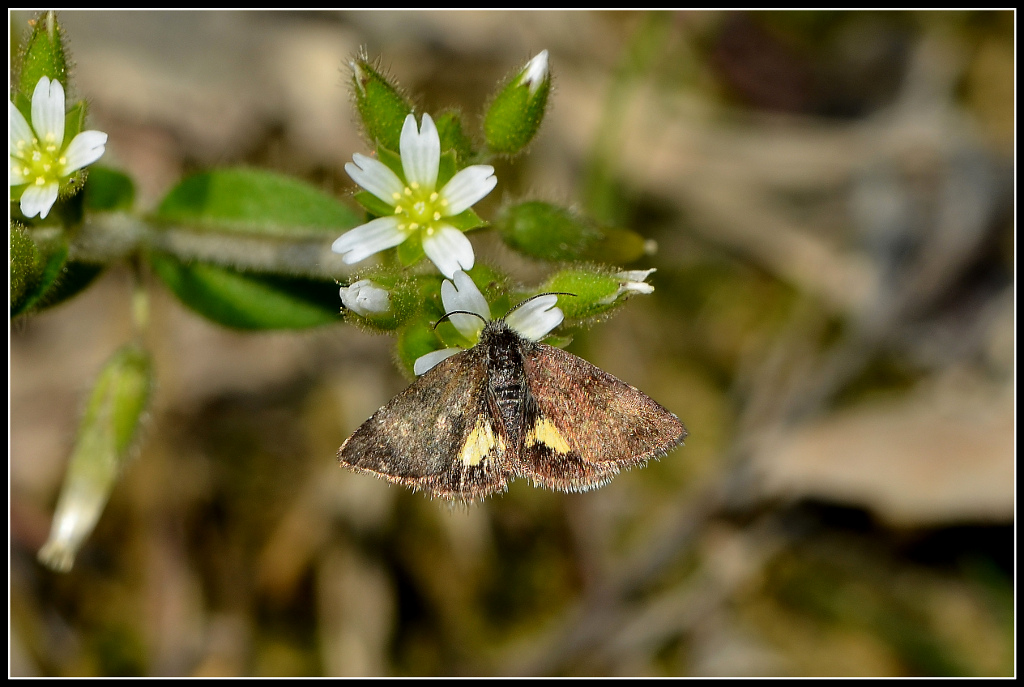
(421, 152)
(375, 176)
(425, 362)
(467, 187)
(20, 131)
(84, 149)
(367, 239)
(48, 112)
(537, 318)
(37, 200)
(464, 295)
(449, 250)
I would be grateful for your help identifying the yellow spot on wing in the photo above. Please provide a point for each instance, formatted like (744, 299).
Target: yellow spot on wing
(545, 432)
(479, 443)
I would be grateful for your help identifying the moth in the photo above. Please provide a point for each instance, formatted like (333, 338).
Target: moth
(511, 408)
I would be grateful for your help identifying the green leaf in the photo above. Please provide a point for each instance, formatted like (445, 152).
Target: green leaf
(465, 220)
(446, 169)
(450, 130)
(44, 56)
(410, 251)
(414, 340)
(392, 160)
(253, 201)
(381, 104)
(250, 301)
(373, 204)
(108, 190)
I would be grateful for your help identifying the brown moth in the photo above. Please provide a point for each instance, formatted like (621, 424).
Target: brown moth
(510, 407)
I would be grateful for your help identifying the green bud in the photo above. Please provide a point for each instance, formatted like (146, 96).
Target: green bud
(596, 290)
(517, 110)
(44, 56)
(382, 106)
(106, 435)
(550, 232)
(26, 266)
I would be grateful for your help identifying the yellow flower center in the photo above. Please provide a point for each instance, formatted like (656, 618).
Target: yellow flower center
(418, 209)
(39, 162)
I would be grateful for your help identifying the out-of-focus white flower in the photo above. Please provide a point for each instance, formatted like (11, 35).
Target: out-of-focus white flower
(417, 206)
(366, 298)
(533, 320)
(37, 156)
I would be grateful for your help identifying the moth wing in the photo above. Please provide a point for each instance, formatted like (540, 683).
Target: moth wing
(586, 425)
(437, 435)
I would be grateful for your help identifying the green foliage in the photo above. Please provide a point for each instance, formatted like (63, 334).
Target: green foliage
(108, 190)
(453, 137)
(248, 301)
(252, 201)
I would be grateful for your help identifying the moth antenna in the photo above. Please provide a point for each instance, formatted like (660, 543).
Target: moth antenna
(549, 293)
(459, 312)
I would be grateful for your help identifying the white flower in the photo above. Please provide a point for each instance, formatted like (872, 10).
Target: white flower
(417, 206)
(631, 281)
(535, 71)
(38, 158)
(366, 298)
(533, 320)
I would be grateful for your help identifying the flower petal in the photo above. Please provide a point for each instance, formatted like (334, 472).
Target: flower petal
(19, 135)
(365, 298)
(467, 187)
(464, 295)
(48, 112)
(425, 362)
(449, 249)
(376, 177)
(536, 71)
(15, 175)
(537, 317)
(37, 200)
(421, 152)
(84, 149)
(367, 239)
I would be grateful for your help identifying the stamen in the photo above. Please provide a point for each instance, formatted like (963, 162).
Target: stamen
(415, 184)
(437, 216)
(433, 197)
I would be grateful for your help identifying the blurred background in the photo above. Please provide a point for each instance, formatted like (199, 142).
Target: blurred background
(831, 196)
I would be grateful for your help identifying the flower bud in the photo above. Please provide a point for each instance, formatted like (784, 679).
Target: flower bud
(44, 56)
(106, 435)
(517, 110)
(382, 106)
(596, 291)
(366, 298)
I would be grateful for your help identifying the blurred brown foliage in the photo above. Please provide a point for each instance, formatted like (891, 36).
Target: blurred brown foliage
(831, 194)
